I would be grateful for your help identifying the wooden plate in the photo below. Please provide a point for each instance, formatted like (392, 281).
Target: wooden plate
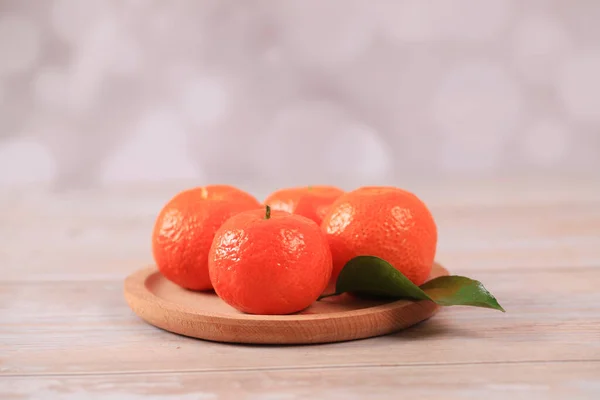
(204, 315)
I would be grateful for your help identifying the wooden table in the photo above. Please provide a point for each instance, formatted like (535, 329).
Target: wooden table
(66, 331)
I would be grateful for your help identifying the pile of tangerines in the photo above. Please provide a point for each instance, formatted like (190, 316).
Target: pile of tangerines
(279, 257)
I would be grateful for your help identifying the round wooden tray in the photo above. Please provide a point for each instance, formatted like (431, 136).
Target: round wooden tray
(204, 315)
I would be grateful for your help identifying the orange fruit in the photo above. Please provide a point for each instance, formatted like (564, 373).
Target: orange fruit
(311, 202)
(185, 228)
(269, 262)
(386, 222)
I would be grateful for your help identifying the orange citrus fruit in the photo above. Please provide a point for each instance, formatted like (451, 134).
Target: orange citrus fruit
(269, 262)
(311, 202)
(185, 228)
(386, 222)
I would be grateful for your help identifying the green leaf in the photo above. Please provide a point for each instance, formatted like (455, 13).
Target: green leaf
(460, 291)
(369, 275)
(375, 276)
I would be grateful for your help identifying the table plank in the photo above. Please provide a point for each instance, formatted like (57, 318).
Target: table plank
(56, 244)
(86, 327)
(527, 380)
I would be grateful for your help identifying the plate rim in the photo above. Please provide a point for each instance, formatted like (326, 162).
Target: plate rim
(135, 286)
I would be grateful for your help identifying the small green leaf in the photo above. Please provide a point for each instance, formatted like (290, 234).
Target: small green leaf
(460, 291)
(369, 275)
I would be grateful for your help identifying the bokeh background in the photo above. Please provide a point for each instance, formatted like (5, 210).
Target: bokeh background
(277, 93)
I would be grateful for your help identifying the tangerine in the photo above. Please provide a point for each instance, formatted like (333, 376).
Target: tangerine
(311, 201)
(185, 228)
(269, 262)
(386, 222)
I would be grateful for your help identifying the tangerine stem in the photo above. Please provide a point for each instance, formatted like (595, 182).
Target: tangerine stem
(268, 213)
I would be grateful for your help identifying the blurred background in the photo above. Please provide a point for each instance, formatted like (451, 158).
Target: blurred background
(278, 93)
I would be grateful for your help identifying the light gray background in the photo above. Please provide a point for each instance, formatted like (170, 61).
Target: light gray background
(276, 93)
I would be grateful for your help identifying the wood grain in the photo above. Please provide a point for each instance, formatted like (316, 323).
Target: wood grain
(527, 381)
(66, 331)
